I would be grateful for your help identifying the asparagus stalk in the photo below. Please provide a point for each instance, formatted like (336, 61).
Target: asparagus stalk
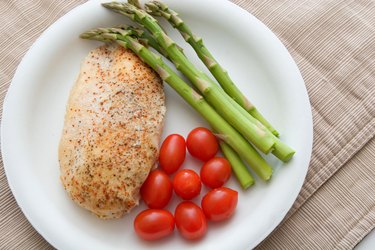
(146, 38)
(247, 125)
(213, 94)
(242, 174)
(160, 9)
(227, 132)
(240, 171)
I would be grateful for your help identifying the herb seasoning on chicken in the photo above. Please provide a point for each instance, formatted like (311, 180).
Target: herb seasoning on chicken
(112, 130)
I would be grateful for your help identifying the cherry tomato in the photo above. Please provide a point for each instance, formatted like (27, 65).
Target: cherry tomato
(172, 153)
(190, 220)
(215, 172)
(187, 184)
(220, 203)
(202, 144)
(154, 224)
(157, 190)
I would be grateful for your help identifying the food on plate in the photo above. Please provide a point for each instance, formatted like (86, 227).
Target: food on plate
(157, 190)
(238, 125)
(172, 153)
(229, 134)
(221, 75)
(154, 224)
(215, 172)
(113, 123)
(202, 144)
(187, 184)
(190, 220)
(220, 124)
(239, 129)
(240, 171)
(231, 111)
(219, 203)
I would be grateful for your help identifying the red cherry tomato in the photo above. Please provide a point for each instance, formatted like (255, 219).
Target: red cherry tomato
(215, 172)
(220, 203)
(157, 190)
(187, 184)
(202, 144)
(172, 153)
(190, 220)
(154, 224)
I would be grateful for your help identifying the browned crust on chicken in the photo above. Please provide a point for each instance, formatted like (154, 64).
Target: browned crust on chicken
(112, 130)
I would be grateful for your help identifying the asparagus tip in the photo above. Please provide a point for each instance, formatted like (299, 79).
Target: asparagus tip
(105, 34)
(111, 5)
(90, 34)
(120, 7)
(156, 8)
(135, 3)
(85, 35)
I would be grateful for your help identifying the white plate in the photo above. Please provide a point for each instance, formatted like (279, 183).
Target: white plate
(35, 105)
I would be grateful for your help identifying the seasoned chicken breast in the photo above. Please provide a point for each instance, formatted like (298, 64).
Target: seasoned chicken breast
(112, 130)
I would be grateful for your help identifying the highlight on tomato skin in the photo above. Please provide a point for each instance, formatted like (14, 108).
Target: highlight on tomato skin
(187, 184)
(154, 224)
(219, 203)
(202, 144)
(157, 190)
(215, 172)
(172, 153)
(190, 220)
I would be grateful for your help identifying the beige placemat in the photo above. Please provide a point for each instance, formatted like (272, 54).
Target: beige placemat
(338, 215)
(333, 43)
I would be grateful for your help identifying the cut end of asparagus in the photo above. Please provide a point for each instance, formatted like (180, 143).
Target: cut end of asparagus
(266, 175)
(238, 167)
(246, 185)
(283, 151)
(284, 156)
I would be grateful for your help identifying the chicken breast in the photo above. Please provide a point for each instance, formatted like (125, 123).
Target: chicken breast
(112, 130)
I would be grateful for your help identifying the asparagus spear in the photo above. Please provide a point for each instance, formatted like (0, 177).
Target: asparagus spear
(160, 9)
(239, 169)
(148, 39)
(247, 125)
(136, 3)
(213, 94)
(227, 132)
(206, 87)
